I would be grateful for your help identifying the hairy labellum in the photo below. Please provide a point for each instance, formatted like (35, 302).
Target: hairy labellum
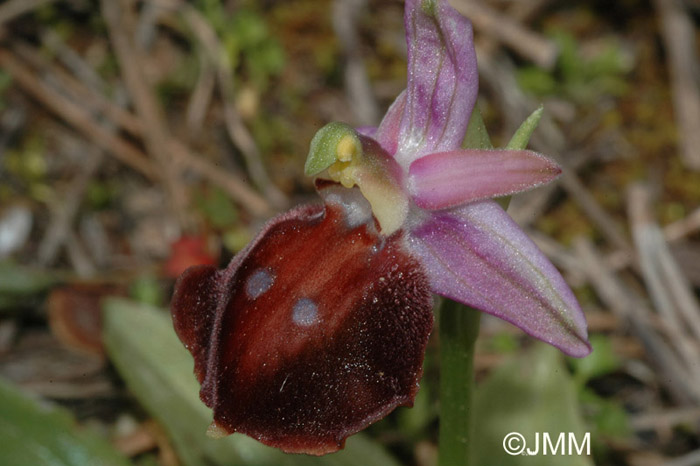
(303, 340)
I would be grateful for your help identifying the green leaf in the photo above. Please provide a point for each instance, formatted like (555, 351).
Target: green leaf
(218, 207)
(414, 422)
(504, 343)
(608, 418)
(19, 280)
(536, 81)
(39, 434)
(477, 136)
(21, 286)
(601, 361)
(521, 138)
(531, 393)
(158, 369)
(146, 289)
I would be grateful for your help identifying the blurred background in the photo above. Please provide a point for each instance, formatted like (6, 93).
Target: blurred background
(138, 138)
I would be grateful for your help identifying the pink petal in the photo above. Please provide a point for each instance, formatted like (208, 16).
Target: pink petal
(442, 80)
(369, 131)
(387, 134)
(478, 255)
(448, 179)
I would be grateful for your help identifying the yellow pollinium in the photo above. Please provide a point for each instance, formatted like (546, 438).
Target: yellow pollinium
(348, 158)
(347, 148)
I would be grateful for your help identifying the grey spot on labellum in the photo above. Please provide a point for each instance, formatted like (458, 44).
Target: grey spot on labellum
(259, 282)
(305, 312)
(356, 209)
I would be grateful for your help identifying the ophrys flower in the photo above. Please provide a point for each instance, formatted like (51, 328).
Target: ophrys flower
(318, 328)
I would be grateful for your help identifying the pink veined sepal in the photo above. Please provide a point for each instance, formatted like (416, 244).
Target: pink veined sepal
(450, 179)
(476, 254)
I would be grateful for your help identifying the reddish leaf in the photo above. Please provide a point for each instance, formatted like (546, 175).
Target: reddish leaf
(75, 315)
(187, 252)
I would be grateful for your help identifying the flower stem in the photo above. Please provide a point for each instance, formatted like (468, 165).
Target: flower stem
(459, 327)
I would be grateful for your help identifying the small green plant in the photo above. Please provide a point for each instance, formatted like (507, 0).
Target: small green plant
(252, 51)
(605, 417)
(5, 83)
(29, 167)
(217, 208)
(578, 75)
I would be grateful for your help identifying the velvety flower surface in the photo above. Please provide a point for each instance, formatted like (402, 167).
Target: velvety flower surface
(318, 328)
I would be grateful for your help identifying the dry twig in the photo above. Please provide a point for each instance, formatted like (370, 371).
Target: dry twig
(583, 197)
(72, 60)
(679, 38)
(523, 11)
(357, 85)
(673, 232)
(669, 289)
(63, 213)
(665, 419)
(691, 459)
(78, 256)
(14, 8)
(80, 119)
(682, 228)
(75, 115)
(77, 91)
(156, 135)
(528, 44)
(237, 131)
(201, 97)
(628, 306)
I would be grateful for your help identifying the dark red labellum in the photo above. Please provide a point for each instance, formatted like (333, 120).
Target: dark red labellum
(312, 333)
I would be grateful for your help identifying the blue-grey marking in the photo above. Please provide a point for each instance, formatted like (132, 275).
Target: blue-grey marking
(305, 312)
(258, 283)
(356, 209)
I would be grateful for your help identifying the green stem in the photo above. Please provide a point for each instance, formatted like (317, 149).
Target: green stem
(459, 327)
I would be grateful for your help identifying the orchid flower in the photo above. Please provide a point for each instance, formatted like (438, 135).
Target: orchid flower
(319, 326)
